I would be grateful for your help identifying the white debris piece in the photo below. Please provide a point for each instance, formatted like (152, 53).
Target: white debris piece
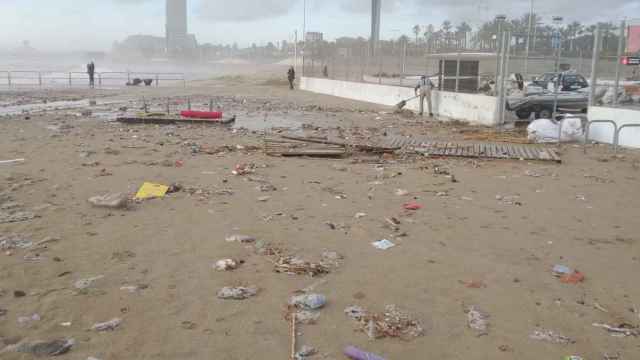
(110, 325)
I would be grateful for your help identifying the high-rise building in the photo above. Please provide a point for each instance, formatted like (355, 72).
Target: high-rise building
(177, 32)
(376, 9)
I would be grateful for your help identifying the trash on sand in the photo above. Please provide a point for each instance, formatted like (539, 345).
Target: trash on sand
(111, 201)
(412, 206)
(308, 301)
(134, 288)
(402, 192)
(150, 190)
(305, 352)
(14, 241)
(550, 336)
(478, 320)
(545, 130)
(330, 259)
(307, 317)
(237, 293)
(573, 357)
(561, 270)
(474, 284)
(226, 265)
(573, 278)
(25, 320)
(392, 323)
(14, 217)
(9, 162)
(85, 283)
(3, 312)
(19, 293)
(110, 325)
(264, 198)
(354, 353)
(296, 266)
(360, 215)
(240, 238)
(383, 244)
(45, 348)
(620, 331)
(243, 169)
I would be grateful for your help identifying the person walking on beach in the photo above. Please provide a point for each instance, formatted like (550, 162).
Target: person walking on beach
(91, 70)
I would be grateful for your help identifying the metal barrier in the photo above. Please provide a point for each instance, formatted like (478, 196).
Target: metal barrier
(616, 140)
(41, 78)
(186, 100)
(588, 127)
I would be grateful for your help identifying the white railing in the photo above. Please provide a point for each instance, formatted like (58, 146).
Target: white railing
(39, 78)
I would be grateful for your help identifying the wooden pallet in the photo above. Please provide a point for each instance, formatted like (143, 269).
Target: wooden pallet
(284, 147)
(488, 150)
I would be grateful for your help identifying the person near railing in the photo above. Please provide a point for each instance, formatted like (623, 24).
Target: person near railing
(91, 70)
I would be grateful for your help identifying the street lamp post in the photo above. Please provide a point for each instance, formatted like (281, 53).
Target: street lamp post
(556, 42)
(526, 56)
(499, 19)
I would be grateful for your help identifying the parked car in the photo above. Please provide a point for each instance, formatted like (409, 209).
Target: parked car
(569, 81)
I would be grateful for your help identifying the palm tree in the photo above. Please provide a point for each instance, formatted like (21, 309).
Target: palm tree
(462, 30)
(446, 30)
(416, 31)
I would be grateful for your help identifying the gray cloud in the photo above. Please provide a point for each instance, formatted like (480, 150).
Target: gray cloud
(244, 10)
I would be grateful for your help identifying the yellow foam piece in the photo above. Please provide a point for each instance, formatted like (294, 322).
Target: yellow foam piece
(150, 190)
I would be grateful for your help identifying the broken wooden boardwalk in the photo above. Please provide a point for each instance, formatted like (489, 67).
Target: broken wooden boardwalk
(488, 150)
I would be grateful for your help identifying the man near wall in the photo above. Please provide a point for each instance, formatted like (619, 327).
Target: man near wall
(423, 90)
(291, 76)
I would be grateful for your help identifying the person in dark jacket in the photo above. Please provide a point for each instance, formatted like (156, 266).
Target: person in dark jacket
(291, 75)
(91, 70)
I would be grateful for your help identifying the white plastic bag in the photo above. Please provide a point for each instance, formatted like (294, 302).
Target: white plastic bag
(545, 130)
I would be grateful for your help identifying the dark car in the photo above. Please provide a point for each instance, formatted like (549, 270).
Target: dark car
(568, 81)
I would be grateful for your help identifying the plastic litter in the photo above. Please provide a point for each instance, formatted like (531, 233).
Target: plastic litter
(240, 238)
(573, 357)
(85, 283)
(151, 190)
(545, 130)
(383, 244)
(560, 270)
(573, 278)
(305, 352)
(308, 301)
(412, 206)
(550, 336)
(226, 265)
(402, 192)
(354, 353)
(478, 320)
(25, 320)
(9, 162)
(110, 325)
(237, 293)
(46, 348)
(110, 201)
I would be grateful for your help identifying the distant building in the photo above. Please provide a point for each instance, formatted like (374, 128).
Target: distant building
(314, 36)
(140, 46)
(178, 39)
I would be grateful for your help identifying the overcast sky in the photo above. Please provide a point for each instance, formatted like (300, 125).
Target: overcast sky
(95, 24)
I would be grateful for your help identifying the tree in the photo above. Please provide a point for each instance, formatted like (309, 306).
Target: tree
(416, 31)
(446, 31)
(461, 33)
(428, 37)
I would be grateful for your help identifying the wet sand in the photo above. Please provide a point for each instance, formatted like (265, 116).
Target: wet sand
(498, 226)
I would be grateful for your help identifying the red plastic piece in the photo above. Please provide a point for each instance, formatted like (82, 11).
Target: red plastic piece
(213, 115)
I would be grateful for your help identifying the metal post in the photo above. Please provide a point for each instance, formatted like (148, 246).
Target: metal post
(304, 35)
(295, 52)
(618, 61)
(9, 78)
(557, 85)
(505, 71)
(594, 65)
(157, 80)
(211, 104)
(128, 76)
(189, 103)
(458, 72)
(526, 55)
(379, 66)
(404, 59)
(39, 79)
(99, 79)
(70, 80)
(168, 106)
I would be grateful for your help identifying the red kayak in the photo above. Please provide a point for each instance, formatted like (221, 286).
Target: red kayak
(201, 114)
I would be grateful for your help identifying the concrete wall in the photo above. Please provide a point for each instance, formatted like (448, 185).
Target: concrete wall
(604, 132)
(473, 108)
